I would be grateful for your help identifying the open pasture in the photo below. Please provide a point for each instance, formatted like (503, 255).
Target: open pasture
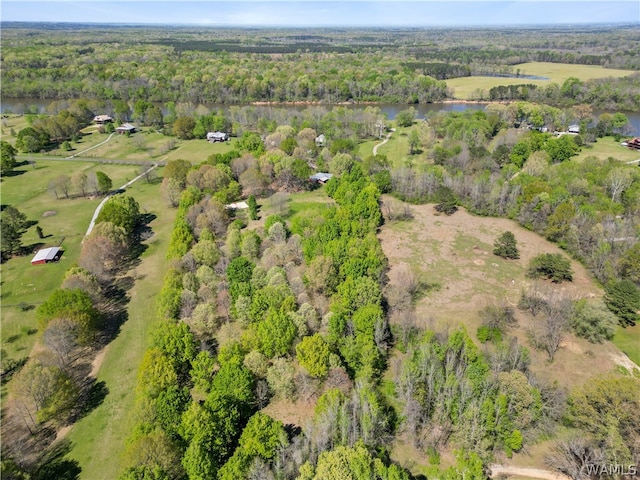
(465, 87)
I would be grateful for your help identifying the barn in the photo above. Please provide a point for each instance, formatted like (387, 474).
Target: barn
(46, 255)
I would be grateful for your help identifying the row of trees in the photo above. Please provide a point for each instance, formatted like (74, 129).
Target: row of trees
(589, 208)
(52, 389)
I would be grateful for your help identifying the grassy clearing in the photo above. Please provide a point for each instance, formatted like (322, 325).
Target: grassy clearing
(456, 253)
(24, 283)
(628, 341)
(607, 147)
(465, 87)
(9, 122)
(100, 438)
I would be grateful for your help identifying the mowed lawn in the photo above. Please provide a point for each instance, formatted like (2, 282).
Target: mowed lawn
(99, 439)
(607, 147)
(465, 87)
(64, 222)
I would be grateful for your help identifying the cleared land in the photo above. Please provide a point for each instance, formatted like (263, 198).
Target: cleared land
(607, 147)
(465, 87)
(64, 222)
(454, 256)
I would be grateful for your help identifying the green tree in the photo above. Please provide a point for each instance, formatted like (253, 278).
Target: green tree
(630, 264)
(253, 207)
(261, 438)
(31, 140)
(183, 127)
(177, 169)
(75, 304)
(46, 392)
(13, 224)
(505, 246)
(553, 266)
(414, 142)
(609, 409)
(447, 201)
(156, 373)
(121, 210)
(103, 182)
(276, 334)
(405, 118)
(313, 354)
(7, 157)
(623, 299)
(593, 321)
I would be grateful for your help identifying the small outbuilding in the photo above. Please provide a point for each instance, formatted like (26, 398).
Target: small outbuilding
(46, 255)
(217, 137)
(634, 143)
(126, 128)
(321, 177)
(574, 128)
(237, 206)
(102, 119)
(321, 140)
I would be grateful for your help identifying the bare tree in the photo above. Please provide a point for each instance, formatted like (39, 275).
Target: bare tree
(63, 184)
(554, 324)
(618, 180)
(61, 336)
(571, 457)
(79, 181)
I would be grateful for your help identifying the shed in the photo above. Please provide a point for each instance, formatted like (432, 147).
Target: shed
(574, 128)
(321, 140)
(102, 119)
(237, 206)
(46, 255)
(321, 177)
(126, 128)
(217, 137)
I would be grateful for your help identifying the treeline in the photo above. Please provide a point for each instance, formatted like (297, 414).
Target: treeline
(528, 176)
(53, 388)
(601, 93)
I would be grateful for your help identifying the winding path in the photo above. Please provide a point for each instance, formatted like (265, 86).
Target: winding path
(90, 148)
(375, 148)
(104, 200)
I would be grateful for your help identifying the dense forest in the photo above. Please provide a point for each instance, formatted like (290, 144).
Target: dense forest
(243, 65)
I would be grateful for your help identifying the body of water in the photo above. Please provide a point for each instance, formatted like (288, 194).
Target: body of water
(14, 105)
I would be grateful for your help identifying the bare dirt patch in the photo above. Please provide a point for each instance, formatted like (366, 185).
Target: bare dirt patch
(298, 413)
(49, 213)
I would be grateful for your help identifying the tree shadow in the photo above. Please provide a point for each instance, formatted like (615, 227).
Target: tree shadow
(14, 173)
(92, 398)
(53, 464)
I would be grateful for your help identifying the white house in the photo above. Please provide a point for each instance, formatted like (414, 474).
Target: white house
(217, 137)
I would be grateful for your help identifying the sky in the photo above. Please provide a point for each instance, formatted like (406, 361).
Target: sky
(328, 13)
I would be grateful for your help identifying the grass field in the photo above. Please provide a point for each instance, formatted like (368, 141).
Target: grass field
(607, 147)
(100, 438)
(465, 87)
(64, 220)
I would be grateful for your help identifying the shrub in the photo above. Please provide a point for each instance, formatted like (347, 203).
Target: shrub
(552, 266)
(623, 299)
(593, 321)
(505, 246)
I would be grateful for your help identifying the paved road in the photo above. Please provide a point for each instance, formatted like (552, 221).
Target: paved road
(104, 200)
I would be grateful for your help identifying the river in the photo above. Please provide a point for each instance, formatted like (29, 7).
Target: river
(390, 110)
